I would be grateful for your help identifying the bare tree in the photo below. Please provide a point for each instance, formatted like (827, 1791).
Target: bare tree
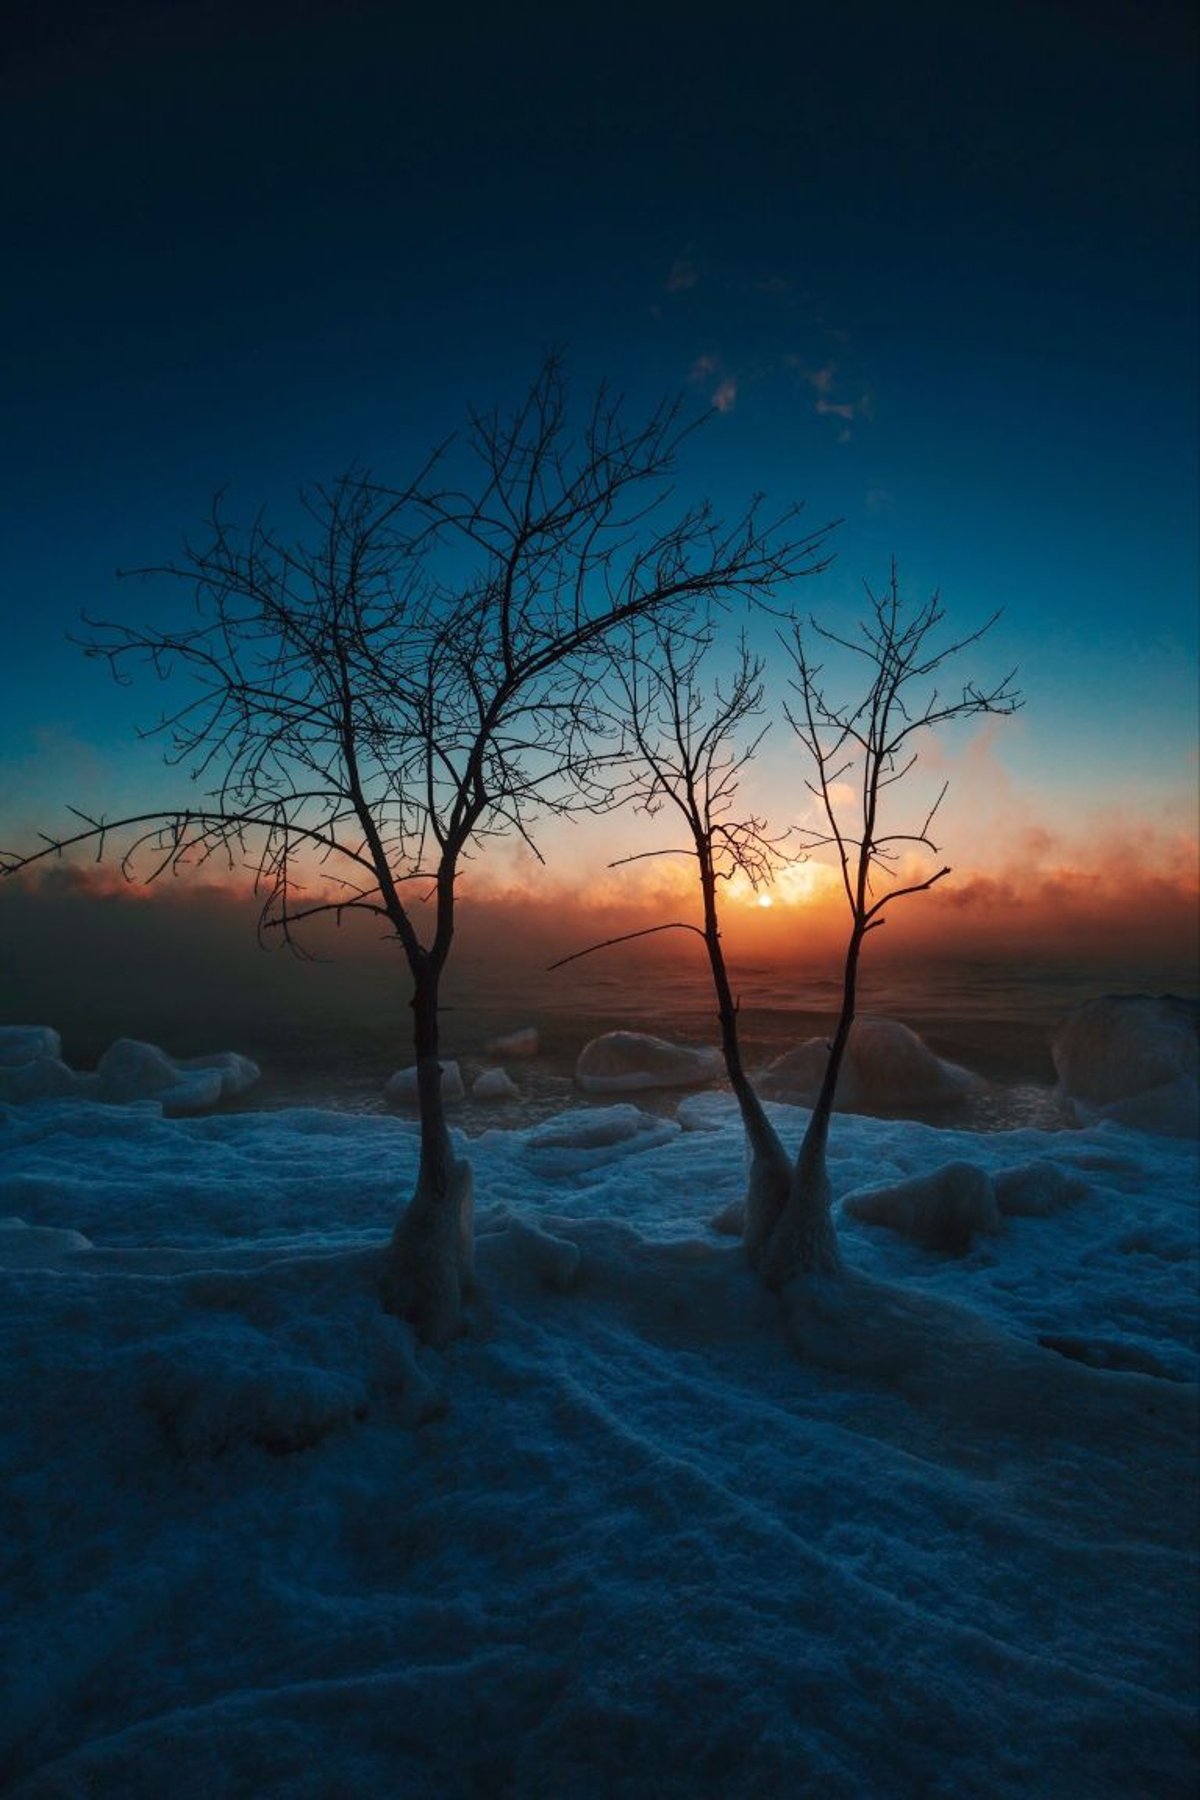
(694, 734)
(868, 745)
(364, 706)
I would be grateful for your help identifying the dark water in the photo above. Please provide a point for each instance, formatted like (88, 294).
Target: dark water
(993, 1019)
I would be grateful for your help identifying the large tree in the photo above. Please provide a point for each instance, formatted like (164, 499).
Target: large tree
(859, 751)
(418, 672)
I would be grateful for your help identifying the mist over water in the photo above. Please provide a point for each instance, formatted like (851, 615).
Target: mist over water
(188, 975)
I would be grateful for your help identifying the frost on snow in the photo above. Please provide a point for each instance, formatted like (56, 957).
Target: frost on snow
(1134, 1058)
(648, 1531)
(621, 1062)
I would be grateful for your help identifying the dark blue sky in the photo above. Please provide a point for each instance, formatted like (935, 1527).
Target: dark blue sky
(937, 264)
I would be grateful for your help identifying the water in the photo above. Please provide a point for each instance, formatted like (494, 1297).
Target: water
(993, 1018)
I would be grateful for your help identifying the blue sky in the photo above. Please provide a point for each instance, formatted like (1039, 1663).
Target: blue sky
(934, 267)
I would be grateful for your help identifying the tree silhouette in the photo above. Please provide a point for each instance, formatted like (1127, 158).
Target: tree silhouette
(422, 671)
(694, 733)
(868, 745)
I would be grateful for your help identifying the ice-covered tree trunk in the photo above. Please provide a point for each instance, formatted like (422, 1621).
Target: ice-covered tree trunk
(429, 1266)
(804, 1241)
(769, 1176)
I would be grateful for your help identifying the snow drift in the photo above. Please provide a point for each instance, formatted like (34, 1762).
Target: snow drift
(647, 1532)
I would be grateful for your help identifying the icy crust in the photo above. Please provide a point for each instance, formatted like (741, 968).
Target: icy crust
(1134, 1058)
(31, 1068)
(647, 1531)
(886, 1066)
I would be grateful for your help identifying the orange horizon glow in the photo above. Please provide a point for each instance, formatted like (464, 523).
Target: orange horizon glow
(1131, 898)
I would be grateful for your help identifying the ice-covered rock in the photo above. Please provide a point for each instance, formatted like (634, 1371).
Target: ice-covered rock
(516, 1043)
(130, 1070)
(621, 1062)
(45, 1078)
(494, 1084)
(941, 1211)
(1133, 1058)
(400, 1089)
(27, 1043)
(886, 1065)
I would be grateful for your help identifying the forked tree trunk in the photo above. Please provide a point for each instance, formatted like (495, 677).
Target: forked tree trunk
(804, 1241)
(770, 1166)
(429, 1267)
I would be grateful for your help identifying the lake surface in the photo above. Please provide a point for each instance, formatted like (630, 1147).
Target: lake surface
(994, 1019)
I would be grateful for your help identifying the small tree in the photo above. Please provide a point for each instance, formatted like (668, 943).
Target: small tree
(694, 734)
(872, 743)
(420, 673)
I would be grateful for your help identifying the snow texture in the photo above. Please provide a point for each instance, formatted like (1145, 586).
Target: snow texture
(647, 1531)
(886, 1065)
(622, 1062)
(31, 1068)
(1134, 1058)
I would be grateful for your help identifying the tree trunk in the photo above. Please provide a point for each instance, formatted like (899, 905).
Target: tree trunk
(770, 1167)
(804, 1241)
(429, 1268)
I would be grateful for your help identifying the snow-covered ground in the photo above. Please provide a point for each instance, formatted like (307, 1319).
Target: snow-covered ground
(647, 1530)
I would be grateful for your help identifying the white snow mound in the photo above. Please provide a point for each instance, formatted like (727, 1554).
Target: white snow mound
(1133, 1058)
(621, 1062)
(941, 1211)
(886, 1065)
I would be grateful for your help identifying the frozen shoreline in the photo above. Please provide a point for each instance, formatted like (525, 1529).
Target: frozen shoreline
(644, 1531)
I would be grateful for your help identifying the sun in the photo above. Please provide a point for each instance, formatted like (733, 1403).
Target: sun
(765, 900)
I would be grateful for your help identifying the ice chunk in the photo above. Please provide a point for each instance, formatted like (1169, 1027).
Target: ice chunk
(1134, 1058)
(24, 1043)
(589, 1128)
(592, 1136)
(516, 1043)
(237, 1073)
(886, 1065)
(400, 1089)
(620, 1062)
(46, 1078)
(494, 1084)
(130, 1070)
(941, 1211)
